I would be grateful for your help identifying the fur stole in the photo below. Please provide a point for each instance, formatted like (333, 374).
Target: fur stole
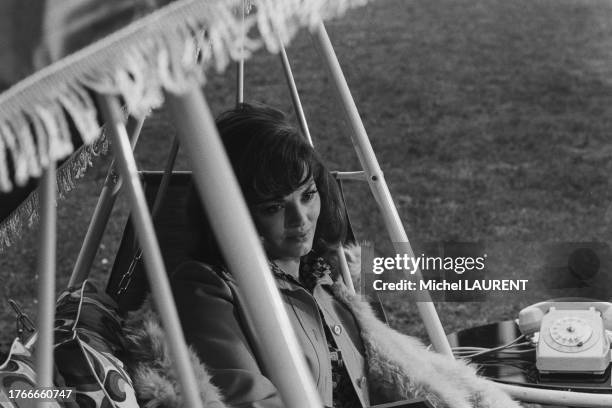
(399, 366)
(150, 364)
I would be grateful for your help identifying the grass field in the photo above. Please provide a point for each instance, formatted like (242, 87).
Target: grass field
(491, 120)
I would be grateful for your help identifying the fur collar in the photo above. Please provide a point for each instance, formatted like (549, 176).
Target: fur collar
(399, 366)
(150, 364)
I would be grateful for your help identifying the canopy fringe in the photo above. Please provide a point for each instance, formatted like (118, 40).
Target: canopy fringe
(26, 215)
(166, 50)
(169, 49)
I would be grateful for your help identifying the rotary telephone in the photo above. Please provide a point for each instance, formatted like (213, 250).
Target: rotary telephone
(572, 335)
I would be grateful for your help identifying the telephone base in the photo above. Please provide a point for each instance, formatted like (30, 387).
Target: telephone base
(590, 374)
(574, 378)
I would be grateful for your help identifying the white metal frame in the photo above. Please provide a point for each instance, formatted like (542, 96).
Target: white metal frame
(377, 183)
(46, 277)
(236, 234)
(156, 271)
(102, 213)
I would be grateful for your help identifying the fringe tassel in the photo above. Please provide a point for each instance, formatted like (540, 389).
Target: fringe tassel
(26, 215)
(82, 110)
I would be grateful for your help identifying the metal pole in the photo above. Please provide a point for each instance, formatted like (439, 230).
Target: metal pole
(344, 270)
(299, 110)
(159, 198)
(378, 185)
(156, 272)
(240, 82)
(240, 63)
(101, 214)
(350, 175)
(229, 217)
(553, 397)
(165, 181)
(295, 97)
(46, 278)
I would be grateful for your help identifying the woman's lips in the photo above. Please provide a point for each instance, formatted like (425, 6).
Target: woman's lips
(299, 237)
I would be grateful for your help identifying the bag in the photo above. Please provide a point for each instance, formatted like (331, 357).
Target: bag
(88, 338)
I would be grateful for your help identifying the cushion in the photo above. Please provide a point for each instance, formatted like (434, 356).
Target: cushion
(17, 373)
(88, 339)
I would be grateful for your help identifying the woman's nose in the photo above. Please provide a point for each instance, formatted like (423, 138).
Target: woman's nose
(296, 215)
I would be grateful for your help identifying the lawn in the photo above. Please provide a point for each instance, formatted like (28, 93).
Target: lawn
(490, 120)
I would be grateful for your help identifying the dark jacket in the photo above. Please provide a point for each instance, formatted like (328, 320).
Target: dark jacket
(212, 312)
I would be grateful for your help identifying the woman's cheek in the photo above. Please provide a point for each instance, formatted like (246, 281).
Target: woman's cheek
(271, 229)
(316, 210)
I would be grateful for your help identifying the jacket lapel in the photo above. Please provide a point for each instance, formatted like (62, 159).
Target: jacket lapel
(345, 331)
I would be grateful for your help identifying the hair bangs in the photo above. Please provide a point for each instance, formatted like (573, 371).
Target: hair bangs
(277, 174)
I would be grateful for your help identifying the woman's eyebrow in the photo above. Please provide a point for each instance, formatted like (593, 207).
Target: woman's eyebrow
(270, 200)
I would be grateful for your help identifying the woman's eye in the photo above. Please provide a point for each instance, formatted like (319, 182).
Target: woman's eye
(309, 195)
(271, 209)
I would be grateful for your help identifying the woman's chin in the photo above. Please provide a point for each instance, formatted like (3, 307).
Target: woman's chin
(297, 250)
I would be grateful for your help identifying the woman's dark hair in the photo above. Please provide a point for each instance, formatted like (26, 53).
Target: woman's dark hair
(271, 158)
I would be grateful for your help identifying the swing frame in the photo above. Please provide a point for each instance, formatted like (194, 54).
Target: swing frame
(212, 173)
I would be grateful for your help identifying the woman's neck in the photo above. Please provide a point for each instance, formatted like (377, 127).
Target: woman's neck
(290, 266)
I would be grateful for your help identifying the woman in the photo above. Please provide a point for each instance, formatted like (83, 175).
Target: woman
(355, 360)
(298, 214)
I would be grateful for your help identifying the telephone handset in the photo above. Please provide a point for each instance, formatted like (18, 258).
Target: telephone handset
(572, 335)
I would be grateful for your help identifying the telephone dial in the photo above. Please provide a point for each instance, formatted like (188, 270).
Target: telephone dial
(571, 336)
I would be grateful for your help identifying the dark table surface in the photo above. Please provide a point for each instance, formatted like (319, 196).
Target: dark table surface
(520, 368)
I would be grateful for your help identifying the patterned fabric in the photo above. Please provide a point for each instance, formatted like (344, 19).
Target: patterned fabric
(314, 269)
(88, 337)
(344, 395)
(17, 373)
